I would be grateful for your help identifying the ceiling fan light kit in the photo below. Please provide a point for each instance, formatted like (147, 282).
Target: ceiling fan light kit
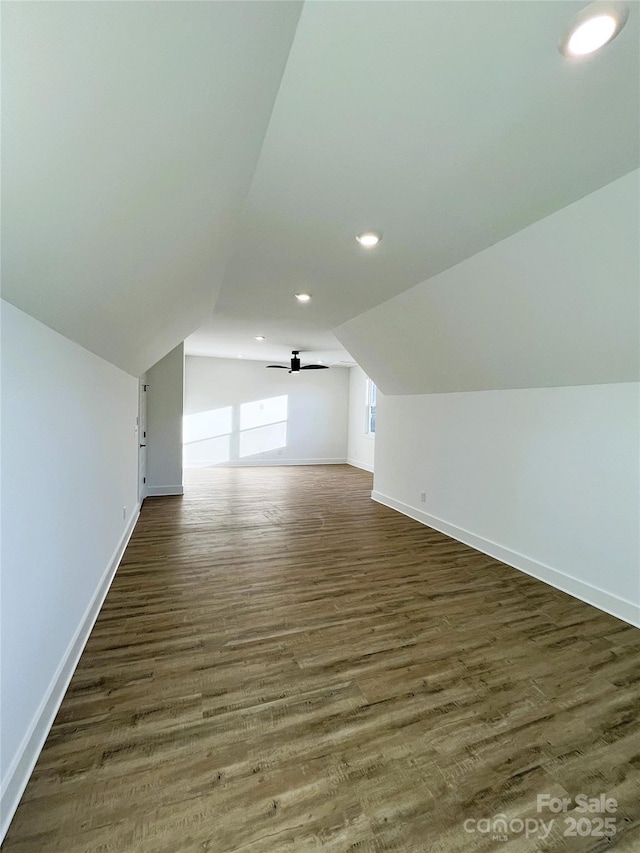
(296, 366)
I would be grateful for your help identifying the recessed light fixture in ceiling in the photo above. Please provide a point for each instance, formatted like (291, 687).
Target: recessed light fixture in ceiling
(369, 239)
(593, 27)
(259, 337)
(303, 297)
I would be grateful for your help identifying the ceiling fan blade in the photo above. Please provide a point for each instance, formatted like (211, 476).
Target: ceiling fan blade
(315, 367)
(281, 366)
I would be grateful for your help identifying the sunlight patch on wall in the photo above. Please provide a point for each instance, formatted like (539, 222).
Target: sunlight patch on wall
(230, 433)
(261, 439)
(209, 451)
(204, 425)
(261, 412)
(206, 437)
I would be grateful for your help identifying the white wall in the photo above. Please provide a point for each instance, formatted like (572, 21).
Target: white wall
(165, 402)
(69, 451)
(299, 419)
(545, 479)
(361, 445)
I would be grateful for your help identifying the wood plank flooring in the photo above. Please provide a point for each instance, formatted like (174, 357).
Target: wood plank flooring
(284, 665)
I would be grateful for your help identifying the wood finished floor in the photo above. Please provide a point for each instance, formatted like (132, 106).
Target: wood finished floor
(283, 665)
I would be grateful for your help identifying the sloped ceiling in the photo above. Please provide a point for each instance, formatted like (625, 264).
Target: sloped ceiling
(131, 132)
(447, 126)
(167, 172)
(558, 303)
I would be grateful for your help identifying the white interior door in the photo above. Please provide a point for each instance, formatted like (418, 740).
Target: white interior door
(142, 440)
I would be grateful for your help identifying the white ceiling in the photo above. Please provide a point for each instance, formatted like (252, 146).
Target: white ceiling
(164, 158)
(557, 304)
(130, 134)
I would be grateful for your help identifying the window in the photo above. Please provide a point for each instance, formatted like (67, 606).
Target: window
(372, 396)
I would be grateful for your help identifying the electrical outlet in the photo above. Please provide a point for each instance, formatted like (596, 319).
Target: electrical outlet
(423, 497)
(124, 513)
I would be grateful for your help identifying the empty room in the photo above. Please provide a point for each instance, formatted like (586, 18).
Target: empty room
(320, 376)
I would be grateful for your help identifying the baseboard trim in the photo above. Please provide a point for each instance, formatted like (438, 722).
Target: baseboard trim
(21, 767)
(356, 464)
(271, 463)
(160, 491)
(614, 605)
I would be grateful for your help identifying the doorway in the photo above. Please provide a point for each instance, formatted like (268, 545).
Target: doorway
(142, 439)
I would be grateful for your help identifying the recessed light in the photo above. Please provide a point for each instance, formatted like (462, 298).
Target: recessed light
(595, 26)
(259, 337)
(303, 297)
(368, 239)
(240, 356)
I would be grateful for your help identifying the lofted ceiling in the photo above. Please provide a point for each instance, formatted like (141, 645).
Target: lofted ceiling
(175, 169)
(130, 135)
(557, 304)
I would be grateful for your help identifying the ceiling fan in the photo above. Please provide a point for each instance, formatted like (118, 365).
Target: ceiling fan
(296, 367)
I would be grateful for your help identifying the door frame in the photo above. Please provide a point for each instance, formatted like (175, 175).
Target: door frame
(141, 437)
